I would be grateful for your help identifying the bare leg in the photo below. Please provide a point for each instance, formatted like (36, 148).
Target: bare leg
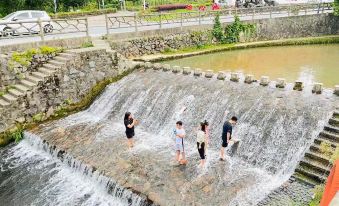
(177, 156)
(183, 156)
(203, 163)
(222, 152)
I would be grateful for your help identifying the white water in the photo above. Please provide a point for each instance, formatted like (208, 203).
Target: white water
(38, 177)
(275, 127)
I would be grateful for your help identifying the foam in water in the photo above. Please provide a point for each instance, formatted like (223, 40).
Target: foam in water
(275, 128)
(38, 177)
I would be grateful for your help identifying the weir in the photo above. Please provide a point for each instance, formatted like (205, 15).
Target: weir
(276, 127)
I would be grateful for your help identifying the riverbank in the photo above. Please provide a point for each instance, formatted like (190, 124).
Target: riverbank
(194, 51)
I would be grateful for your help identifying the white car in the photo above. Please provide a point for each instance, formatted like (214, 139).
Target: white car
(25, 22)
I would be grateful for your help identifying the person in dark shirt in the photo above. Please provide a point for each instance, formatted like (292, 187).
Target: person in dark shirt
(129, 125)
(227, 134)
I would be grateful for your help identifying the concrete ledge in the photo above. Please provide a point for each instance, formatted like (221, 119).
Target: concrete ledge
(69, 43)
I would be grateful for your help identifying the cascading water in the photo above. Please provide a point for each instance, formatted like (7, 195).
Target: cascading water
(32, 174)
(275, 128)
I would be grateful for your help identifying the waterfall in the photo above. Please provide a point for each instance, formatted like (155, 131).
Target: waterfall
(275, 127)
(55, 178)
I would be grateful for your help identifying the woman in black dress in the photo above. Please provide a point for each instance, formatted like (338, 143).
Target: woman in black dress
(129, 124)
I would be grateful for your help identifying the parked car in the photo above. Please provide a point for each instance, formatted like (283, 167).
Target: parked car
(25, 22)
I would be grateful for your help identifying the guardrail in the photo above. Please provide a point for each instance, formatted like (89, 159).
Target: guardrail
(43, 28)
(159, 20)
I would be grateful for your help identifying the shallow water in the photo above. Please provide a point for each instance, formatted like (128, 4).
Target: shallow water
(309, 63)
(275, 128)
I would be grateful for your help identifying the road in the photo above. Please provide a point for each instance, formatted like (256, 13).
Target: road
(97, 26)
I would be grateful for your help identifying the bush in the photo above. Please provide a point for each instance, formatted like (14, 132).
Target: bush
(82, 13)
(169, 7)
(232, 31)
(217, 31)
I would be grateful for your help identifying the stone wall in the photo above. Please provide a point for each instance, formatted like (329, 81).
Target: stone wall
(12, 72)
(68, 84)
(156, 41)
(155, 44)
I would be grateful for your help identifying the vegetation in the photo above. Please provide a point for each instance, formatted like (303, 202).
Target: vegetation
(318, 193)
(336, 7)
(217, 31)
(25, 58)
(87, 44)
(16, 133)
(9, 6)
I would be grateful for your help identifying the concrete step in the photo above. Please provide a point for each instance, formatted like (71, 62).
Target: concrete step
(304, 179)
(16, 92)
(60, 59)
(56, 63)
(34, 79)
(315, 148)
(21, 88)
(46, 71)
(329, 136)
(332, 129)
(67, 55)
(52, 66)
(312, 174)
(316, 165)
(334, 122)
(10, 98)
(4, 103)
(28, 84)
(40, 75)
(319, 140)
(317, 156)
(336, 114)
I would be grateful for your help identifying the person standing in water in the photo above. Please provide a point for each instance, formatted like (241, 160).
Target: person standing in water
(202, 141)
(129, 124)
(227, 135)
(180, 134)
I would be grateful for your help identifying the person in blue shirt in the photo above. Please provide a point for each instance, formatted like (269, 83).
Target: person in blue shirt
(227, 135)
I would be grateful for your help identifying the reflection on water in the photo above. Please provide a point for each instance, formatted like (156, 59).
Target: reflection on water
(310, 63)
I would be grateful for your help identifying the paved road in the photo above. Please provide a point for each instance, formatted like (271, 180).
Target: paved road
(97, 26)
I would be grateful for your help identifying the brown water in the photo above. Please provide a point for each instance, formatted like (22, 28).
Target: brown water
(309, 63)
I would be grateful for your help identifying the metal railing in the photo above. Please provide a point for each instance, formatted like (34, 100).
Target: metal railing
(160, 20)
(43, 28)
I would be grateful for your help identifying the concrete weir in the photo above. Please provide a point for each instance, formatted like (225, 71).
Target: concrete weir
(270, 147)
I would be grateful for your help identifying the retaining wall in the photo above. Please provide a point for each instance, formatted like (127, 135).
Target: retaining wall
(67, 84)
(156, 41)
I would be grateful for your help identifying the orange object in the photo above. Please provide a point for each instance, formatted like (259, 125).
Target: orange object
(332, 185)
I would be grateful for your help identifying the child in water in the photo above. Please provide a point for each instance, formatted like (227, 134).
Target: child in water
(180, 134)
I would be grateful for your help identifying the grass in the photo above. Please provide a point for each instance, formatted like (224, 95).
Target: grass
(15, 134)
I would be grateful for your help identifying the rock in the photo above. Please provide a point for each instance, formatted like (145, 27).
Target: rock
(20, 120)
(298, 85)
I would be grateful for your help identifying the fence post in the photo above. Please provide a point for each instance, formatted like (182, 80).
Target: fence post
(181, 21)
(106, 19)
(253, 14)
(199, 17)
(41, 30)
(270, 13)
(135, 22)
(87, 28)
(160, 23)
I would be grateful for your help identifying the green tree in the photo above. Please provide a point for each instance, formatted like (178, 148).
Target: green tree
(217, 31)
(336, 7)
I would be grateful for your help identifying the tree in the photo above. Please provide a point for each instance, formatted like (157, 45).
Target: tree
(336, 7)
(217, 31)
